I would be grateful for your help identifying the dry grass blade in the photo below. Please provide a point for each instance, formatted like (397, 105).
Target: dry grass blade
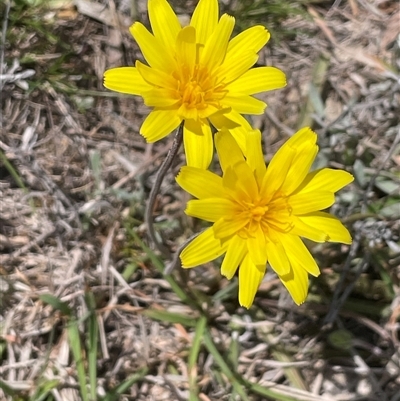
(88, 310)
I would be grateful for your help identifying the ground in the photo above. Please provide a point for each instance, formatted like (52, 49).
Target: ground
(85, 309)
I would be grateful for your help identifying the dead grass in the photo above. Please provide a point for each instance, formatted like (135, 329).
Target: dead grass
(74, 178)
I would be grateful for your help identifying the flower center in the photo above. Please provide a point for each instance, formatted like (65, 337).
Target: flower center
(258, 212)
(199, 92)
(193, 95)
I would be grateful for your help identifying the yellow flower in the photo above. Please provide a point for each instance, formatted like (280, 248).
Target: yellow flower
(260, 213)
(197, 75)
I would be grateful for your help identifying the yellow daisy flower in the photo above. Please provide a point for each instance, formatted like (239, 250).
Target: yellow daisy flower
(260, 213)
(197, 75)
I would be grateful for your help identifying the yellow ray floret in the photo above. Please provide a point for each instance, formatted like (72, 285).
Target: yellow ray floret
(259, 213)
(197, 75)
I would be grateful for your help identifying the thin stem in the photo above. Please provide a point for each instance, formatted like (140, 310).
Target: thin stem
(148, 217)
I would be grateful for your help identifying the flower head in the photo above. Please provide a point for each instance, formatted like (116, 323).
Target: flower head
(260, 213)
(196, 74)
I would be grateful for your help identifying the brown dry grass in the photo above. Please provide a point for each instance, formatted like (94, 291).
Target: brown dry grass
(69, 215)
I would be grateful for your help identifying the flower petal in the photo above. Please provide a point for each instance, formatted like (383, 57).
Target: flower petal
(334, 229)
(254, 155)
(160, 98)
(164, 23)
(158, 124)
(245, 104)
(231, 70)
(246, 185)
(210, 209)
(306, 152)
(220, 120)
(298, 254)
(277, 257)
(302, 229)
(296, 282)
(225, 228)
(234, 255)
(256, 246)
(125, 80)
(258, 80)
(199, 148)
(200, 183)
(325, 179)
(276, 172)
(155, 77)
(250, 277)
(215, 48)
(202, 249)
(152, 48)
(239, 133)
(253, 38)
(186, 48)
(205, 19)
(281, 172)
(228, 150)
(303, 203)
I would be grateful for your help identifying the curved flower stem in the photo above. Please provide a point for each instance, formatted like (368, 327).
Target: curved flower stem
(148, 217)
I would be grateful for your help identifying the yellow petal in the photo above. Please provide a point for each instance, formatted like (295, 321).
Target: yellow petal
(296, 282)
(202, 249)
(258, 80)
(125, 80)
(228, 150)
(277, 257)
(325, 179)
(200, 183)
(234, 256)
(215, 49)
(164, 23)
(198, 147)
(239, 133)
(210, 209)
(303, 203)
(335, 230)
(245, 104)
(158, 124)
(281, 172)
(253, 39)
(226, 228)
(254, 155)
(302, 229)
(156, 77)
(305, 155)
(219, 120)
(298, 254)
(160, 98)
(153, 49)
(234, 68)
(256, 246)
(186, 48)
(246, 185)
(276, 172)
(205, 19)
(250, 277)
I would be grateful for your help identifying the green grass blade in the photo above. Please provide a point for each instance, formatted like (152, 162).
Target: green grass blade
(10, 168)
(219, 360)
(92, 345)
(77, 352)
(171, 317)
(193, 356)
(159, 265)
(56, 303)
(116, 392)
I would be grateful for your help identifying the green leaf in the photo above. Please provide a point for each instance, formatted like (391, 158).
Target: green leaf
(170, 317)
(56, 303)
